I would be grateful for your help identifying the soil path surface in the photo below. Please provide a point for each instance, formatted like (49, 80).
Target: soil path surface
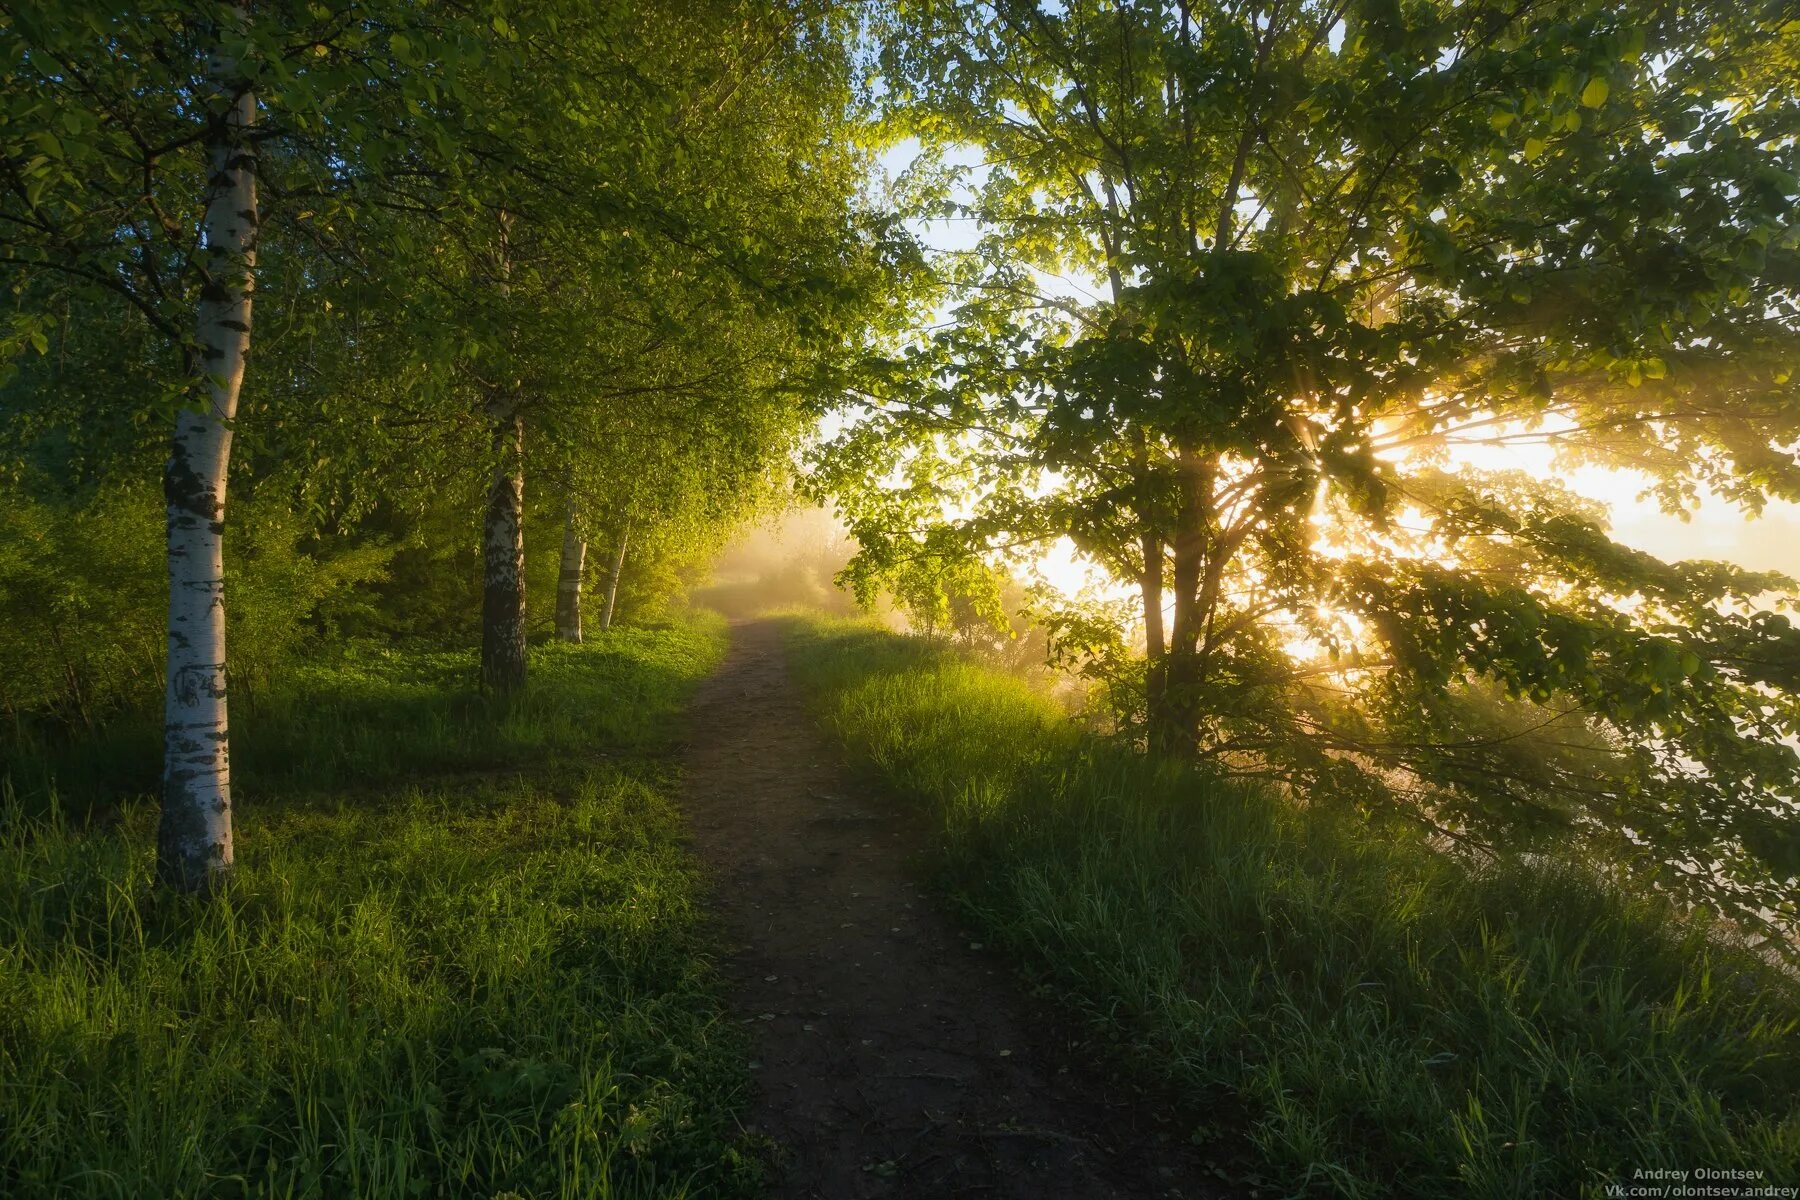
(896, 1056)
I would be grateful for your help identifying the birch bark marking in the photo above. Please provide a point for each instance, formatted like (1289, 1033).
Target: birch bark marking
(612, 578)
(193, 841)
(568, 580)
(503, 557)
(503, 523)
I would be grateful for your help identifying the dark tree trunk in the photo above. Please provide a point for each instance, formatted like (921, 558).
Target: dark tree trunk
(1181, 677)
(1156, 649)
(1150, 583)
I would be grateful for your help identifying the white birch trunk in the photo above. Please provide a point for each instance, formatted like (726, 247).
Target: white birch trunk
(568, 580)
(612, 578)
(193, 841)
(503, 559)
(503, 523)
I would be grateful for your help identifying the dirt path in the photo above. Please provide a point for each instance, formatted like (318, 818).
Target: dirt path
(897, 1058)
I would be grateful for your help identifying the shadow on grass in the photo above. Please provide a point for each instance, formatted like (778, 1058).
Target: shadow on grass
(371, 716)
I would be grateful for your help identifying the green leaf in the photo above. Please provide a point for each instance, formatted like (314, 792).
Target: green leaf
(1594, 94)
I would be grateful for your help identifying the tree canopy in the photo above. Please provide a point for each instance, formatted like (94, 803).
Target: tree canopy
(1319, 249)
(610, 242)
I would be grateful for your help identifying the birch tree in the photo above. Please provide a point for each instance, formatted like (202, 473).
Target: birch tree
(685, 227)
(134, 144)
(519, 232)
(569, 576)
(614, 571)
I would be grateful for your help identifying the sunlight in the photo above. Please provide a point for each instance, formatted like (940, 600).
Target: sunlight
(1714, 529)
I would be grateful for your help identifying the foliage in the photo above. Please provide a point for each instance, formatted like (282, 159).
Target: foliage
(463, 956)
(81, 602)
(107, 118)
(652, 236)
(1319, 250)
(1386, 1019)
(639, 230)
(81, 593)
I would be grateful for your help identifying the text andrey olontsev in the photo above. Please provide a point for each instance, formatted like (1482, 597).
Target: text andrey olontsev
(1734, 1182)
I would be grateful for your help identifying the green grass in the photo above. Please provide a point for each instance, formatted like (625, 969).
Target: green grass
(461, 957)
(1378, 1019)
(369, 716)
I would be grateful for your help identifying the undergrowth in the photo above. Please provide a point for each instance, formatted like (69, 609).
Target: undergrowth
(461, 955)
(1379, 1018)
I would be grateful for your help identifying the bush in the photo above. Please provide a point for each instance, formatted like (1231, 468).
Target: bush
(83, 596)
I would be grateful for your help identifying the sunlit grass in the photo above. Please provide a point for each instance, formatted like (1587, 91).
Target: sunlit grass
(487, 978)
(1378, 1018)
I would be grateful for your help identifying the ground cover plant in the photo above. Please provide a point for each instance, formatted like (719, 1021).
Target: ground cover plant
(463, 955)
(1385, 1019)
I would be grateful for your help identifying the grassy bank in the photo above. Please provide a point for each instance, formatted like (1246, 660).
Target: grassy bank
(1382, 1020)
(462, 956)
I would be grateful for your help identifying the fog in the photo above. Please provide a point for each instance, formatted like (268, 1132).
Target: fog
(783, 562)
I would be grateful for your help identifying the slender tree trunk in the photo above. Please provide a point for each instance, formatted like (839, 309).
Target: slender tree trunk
(568, 580)
(1150, 584)
(503, 523)
(503, 557)
(612, 578)
(1181, 678)
(1156, 662)
(193, 841)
